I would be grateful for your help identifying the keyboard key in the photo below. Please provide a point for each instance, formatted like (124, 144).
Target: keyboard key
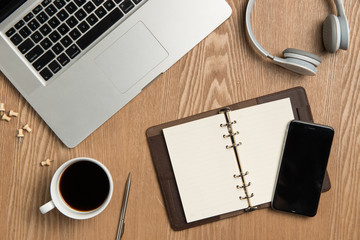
(80, 15)
(37, 9)
(25, 32)
(16, 39)
(54, 22)
(63, 29)
(126, 6)
(79, 2)
(72, 22)
(66, 41)
(33, 24)
(63, 59)
(136, 1)
(34, 53)
(36, 37)
(57, 48)
(46, 74)
(46, 44)
(26, 46)
(54, 36)
(75, 34)
(45, 29)
(72, 51)
(62, 15)
(19, 24)
(109, 5)
(28, 17)
(43, 60)
(100, 12)
(99, 28)
(71, 8)
(54, 66)
(42, 17)
(45, 3)
(89, 7)
(51, 10)
(83, 27)
(59, 3)
(92, 19)
(10, 32)
(97, 2)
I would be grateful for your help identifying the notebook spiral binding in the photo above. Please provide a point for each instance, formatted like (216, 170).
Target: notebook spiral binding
(246, 197)
(227, 124)
(234, 146)
(230, 135)
(240, 175)
(243, 186)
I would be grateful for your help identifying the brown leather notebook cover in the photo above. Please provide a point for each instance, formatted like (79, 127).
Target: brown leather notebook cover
(164, 171)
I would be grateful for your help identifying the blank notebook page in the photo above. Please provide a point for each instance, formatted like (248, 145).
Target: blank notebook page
(204, 169)
(262, 130)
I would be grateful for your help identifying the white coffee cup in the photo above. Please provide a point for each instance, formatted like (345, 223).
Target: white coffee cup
(57, 200)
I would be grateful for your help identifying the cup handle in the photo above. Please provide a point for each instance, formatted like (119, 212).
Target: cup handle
(47, 207)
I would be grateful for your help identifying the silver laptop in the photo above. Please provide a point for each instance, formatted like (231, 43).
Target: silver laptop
(77, 62)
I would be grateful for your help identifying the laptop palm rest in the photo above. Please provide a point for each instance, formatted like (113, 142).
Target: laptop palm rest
(131, 57)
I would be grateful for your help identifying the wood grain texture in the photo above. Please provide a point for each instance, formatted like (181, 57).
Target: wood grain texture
(221, 70)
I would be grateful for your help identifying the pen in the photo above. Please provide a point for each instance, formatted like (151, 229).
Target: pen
(121, 227)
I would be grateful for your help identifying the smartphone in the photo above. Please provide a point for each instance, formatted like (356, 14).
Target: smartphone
(303, 165)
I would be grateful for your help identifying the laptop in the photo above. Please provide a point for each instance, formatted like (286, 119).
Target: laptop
(78, 62)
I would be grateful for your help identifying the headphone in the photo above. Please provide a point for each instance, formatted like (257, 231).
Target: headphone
(336, 35)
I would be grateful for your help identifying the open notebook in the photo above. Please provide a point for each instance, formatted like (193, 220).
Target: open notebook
(228, 161)
(165, 172)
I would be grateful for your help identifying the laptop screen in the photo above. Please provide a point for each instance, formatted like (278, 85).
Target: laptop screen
(8, 6)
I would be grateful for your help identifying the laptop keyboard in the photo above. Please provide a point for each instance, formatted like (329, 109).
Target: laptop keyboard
(56, 32)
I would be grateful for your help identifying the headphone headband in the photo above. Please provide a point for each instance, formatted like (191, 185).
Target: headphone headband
(250, 33)
(340, 7)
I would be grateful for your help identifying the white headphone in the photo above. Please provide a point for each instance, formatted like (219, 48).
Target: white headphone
(336, 35)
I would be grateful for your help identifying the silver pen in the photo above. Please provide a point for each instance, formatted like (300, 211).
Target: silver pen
(121, 227)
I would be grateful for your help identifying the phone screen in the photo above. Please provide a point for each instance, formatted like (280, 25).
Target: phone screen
(302, 170)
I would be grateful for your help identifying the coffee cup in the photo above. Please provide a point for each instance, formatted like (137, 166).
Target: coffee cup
(81, 188)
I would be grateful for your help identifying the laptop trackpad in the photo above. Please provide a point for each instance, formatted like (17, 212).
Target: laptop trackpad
(131, 57)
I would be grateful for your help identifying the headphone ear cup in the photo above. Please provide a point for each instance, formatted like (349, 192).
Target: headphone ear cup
(296, 65)
(302, 55)
(299, 61)
(331, 33)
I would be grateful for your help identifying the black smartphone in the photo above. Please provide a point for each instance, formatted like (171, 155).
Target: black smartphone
(303, 165)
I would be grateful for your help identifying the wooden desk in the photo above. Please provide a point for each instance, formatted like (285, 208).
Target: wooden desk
(221, 70)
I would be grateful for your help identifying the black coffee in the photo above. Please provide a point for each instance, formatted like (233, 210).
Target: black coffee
(84, 186)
